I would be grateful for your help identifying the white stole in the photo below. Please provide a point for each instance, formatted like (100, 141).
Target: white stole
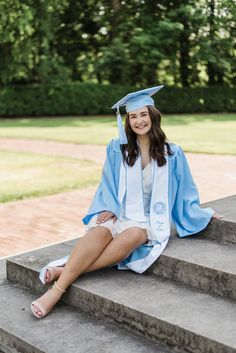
(131, 184)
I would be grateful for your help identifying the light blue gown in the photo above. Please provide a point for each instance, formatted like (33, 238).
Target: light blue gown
(184, 204)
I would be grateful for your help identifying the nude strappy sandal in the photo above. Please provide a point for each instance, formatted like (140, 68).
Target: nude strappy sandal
(40, 307)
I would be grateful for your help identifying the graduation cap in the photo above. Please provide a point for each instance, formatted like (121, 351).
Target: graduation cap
(133, 101)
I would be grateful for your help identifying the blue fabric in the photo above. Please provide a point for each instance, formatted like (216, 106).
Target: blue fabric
(137, 99)
(122, 135)
(184, 204)
(139, 102)
(187, 215)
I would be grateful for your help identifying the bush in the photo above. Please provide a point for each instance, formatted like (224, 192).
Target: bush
(78, 98)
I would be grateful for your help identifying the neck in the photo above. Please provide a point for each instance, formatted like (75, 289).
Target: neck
(144, 141)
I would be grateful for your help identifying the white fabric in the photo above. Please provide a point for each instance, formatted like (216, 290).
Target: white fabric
(120, 226)
(142, 264)
(59, 262)
(147, 187)
(131, 184)
(134, 207)
(122, 223)
(159, 207)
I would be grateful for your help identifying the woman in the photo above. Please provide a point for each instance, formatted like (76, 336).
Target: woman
(146, 184)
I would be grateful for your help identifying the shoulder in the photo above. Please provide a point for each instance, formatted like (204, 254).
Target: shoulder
(114, 145)
(175, 149)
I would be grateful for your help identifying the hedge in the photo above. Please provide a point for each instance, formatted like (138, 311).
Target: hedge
(78, 98)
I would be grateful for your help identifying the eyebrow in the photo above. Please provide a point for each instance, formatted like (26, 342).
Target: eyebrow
(145, 112)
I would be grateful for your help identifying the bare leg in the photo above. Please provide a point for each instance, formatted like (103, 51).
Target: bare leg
(86, 251)
(114, 251)
(118, 249)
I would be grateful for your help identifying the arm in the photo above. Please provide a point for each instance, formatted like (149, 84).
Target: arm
(187, 215)
(105, 198)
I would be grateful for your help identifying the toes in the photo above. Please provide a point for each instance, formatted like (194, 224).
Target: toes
(47, 277)
(37, 310)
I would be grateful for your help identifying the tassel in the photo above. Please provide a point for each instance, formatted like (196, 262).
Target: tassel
(122, 134)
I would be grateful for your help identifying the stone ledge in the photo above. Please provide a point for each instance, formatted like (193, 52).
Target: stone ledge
(160, 310)
(65, 330)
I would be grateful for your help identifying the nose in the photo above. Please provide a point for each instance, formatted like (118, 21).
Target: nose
(140, 120)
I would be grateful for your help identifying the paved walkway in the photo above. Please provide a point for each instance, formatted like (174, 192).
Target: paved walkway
(90, 152)
(33, 223)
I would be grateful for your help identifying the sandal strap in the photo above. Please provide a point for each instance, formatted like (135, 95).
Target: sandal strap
(59, 288)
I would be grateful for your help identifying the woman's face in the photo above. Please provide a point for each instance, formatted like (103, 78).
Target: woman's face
(140, 121)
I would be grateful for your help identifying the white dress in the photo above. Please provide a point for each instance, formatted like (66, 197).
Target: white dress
(124, 223)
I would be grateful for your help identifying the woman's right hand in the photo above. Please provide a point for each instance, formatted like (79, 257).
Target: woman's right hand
(217, 215)
(105, 216)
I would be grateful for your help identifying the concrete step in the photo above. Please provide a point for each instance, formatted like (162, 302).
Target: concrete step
(224, 229)
(161, 310)
(194, 261)
(201, 263)
(66, 330)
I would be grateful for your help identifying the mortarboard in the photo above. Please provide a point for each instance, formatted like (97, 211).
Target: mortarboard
(133, 101)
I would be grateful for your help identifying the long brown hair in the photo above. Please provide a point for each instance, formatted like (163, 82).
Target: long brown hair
(131, 151)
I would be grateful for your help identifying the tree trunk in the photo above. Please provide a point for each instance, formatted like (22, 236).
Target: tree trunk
(210, 65)
(184, 55)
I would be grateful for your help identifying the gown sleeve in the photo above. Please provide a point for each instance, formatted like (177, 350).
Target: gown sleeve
(187, 215)
(105, 198)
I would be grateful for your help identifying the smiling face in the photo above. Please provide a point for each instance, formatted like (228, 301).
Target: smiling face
(140, 121)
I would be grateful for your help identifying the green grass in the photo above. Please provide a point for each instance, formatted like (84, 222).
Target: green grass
(25, 175)
(208, 133)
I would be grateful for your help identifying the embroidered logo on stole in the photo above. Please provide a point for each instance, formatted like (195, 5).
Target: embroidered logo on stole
(159, 207)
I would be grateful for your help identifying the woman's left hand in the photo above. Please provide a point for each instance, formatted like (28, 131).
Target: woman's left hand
(105, 216)
(217, 215)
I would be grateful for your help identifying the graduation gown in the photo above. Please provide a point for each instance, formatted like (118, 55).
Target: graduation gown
(184, 205)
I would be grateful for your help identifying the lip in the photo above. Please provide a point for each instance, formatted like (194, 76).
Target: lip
(141, 127)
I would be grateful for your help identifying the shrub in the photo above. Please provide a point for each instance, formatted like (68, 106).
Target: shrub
(76, 98)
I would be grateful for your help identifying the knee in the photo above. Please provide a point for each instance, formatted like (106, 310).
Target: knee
(139, 236)
(101, 233)
(105, 233)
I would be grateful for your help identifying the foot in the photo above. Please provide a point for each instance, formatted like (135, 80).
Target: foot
(42, 306)
(52, 273)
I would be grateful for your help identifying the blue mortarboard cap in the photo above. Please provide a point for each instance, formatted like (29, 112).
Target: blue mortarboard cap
(134, 101)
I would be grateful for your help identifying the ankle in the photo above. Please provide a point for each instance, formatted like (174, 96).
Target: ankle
(59, 288)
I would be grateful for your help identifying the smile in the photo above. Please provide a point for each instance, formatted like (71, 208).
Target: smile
(141, 127)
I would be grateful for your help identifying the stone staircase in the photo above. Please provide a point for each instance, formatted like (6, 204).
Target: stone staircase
(184, 303)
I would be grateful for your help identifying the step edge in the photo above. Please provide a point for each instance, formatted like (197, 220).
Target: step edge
(70, 300)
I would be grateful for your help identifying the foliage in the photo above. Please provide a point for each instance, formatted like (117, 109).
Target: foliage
(185, 43)
(77, 98)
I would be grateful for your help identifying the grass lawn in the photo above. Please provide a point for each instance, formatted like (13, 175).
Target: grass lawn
(209, 133)
(25, 175)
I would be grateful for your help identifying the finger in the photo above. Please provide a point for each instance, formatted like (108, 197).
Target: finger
(106, 218)
(103, 218)
(100, 217)
(99, 220)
